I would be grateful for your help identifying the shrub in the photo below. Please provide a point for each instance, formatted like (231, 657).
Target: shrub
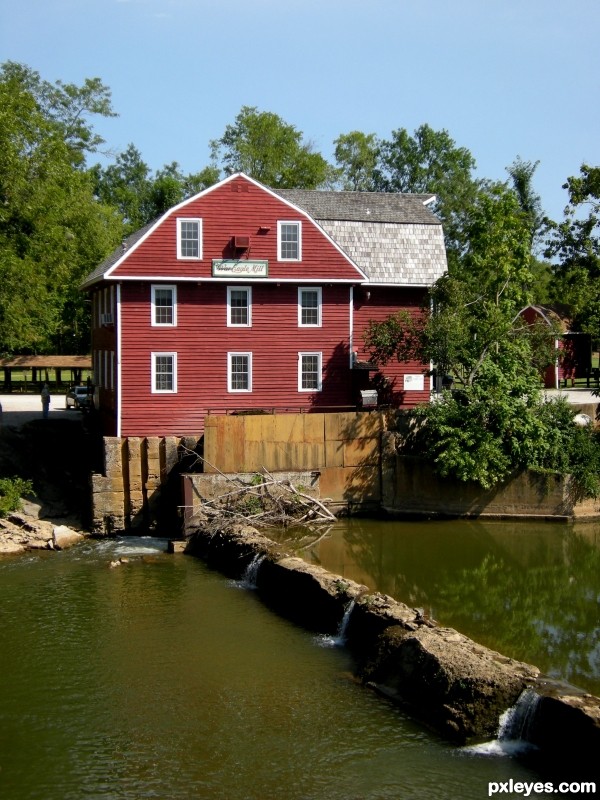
(498, 426)
(11, 491)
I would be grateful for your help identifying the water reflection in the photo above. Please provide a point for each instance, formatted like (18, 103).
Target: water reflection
(529, 590)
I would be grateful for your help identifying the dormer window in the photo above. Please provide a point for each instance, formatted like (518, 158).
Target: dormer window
(189, 239)
(289, 241)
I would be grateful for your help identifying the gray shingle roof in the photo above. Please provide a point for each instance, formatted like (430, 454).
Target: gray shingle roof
(362, 206)
(393, 238)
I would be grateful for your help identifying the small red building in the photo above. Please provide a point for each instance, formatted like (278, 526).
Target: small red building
(573, 350)
(244, 297)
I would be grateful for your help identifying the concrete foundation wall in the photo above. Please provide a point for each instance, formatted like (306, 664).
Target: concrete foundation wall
(411, 487)
(343, 448)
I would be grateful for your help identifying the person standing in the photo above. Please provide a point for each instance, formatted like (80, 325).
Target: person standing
(45, 400)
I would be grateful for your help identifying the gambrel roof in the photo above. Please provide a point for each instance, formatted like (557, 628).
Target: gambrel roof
(391, 238)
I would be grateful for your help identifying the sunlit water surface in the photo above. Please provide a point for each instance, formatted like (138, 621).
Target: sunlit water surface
(162, 679)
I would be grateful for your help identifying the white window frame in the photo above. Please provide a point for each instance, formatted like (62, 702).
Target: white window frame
(298, 225)
(248, 290)
(180, 255)
(154, 357)
(230, 357)
(173, 288)
(319, 386)
(319, 293)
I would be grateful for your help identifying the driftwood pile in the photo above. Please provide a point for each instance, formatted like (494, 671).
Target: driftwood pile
(263, 501)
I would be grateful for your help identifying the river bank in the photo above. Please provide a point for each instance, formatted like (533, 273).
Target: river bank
(21, 532)
(56, 455)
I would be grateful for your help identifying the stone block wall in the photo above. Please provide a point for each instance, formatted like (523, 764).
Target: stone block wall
(130, 495)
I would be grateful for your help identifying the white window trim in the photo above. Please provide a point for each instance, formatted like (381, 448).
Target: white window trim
(173, 289)
(319, 292)
(320, 368)
(248, 290)
(154, 390)
(298, 224)
(229, 373)
(179, 254)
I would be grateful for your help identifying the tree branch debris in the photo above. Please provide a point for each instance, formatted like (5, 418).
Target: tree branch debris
(264, 501)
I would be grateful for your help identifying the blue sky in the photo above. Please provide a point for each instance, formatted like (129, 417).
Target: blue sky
(505, 78)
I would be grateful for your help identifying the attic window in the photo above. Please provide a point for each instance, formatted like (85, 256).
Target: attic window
(289, 241)
(189, 239)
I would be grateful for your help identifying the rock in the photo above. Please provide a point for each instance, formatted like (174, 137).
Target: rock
(459, 689)
(10, 548)
(582, 420)
(63, 537)
(31, 509)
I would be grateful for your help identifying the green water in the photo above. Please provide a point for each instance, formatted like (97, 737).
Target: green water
(161, 679)
(530, 590)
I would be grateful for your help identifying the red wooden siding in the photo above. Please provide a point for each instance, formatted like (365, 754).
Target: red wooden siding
(104, 354)
(552, 375)
(202, 340)
(226, 212)
(382, 302)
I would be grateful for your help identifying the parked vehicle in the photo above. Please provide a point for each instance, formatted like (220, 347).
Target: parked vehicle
(78, 397)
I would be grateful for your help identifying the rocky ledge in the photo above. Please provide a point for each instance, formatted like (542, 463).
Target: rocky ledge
(20, 532)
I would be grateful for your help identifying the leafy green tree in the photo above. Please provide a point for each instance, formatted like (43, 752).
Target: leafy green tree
(521, 179)
(495, 422)
(430, 162)
(270, 150)
(126, 185)
(66, 106)
(474, 306)
(521, 175)
(171, 186)
(52, 230)
(357, 155)
(574, 247)
(487, 430)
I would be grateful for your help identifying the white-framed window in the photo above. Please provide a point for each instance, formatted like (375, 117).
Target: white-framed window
(189, 238)
(309, 372)
(239, 372)
(309, 306)
(289, 241)
(239, 306)
(164, 373)
(164, 305)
